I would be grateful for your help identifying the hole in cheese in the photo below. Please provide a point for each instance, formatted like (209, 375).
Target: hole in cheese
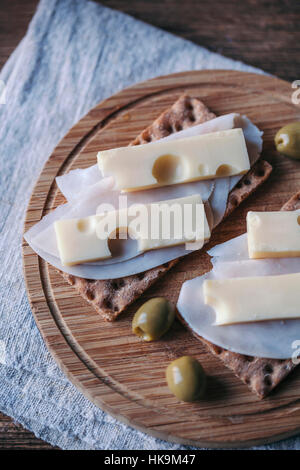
(225, 170)
(85, 225)
(167, 168)
(202, 170)
(120, 243)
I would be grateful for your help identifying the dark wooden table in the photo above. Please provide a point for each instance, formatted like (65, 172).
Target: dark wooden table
(264, 33)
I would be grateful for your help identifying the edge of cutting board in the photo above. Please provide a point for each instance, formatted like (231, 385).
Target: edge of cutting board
(105, 361)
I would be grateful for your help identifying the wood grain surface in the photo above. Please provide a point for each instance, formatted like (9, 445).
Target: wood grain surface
(264, 33)
(115, 369)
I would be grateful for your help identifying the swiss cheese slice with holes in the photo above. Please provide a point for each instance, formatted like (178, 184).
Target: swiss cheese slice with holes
(273, 234)
(153, 226)
(252, 299)
(201, 157)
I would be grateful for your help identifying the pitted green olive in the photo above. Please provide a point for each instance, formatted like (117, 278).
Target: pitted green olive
(153, 319)
(186, 378)
(287, 140)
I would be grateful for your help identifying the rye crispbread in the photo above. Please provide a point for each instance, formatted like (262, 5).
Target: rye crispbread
(111, 297)
(260, 374)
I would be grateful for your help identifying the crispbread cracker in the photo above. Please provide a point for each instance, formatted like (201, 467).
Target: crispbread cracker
(111, 297)
(293, 204)
(260, 374)
(185, 112)
(247, 185)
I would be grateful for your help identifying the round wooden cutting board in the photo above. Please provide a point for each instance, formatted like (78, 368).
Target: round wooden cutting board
(113, 368)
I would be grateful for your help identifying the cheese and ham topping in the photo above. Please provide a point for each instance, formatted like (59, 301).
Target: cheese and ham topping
(213, 155)
(158, 225)
(253, 299)
(273, 338)
(85, 190)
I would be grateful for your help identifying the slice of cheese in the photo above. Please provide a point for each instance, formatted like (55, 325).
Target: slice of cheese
(273, 234)
(158, 225)
(201, 157)
(252, 299)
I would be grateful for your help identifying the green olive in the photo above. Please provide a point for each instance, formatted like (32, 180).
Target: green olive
(186, 378)
(153, 319)
(287, 140)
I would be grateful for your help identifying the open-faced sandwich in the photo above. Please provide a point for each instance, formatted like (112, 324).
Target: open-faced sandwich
(111, 284)
(249, 301)
(135, 213)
